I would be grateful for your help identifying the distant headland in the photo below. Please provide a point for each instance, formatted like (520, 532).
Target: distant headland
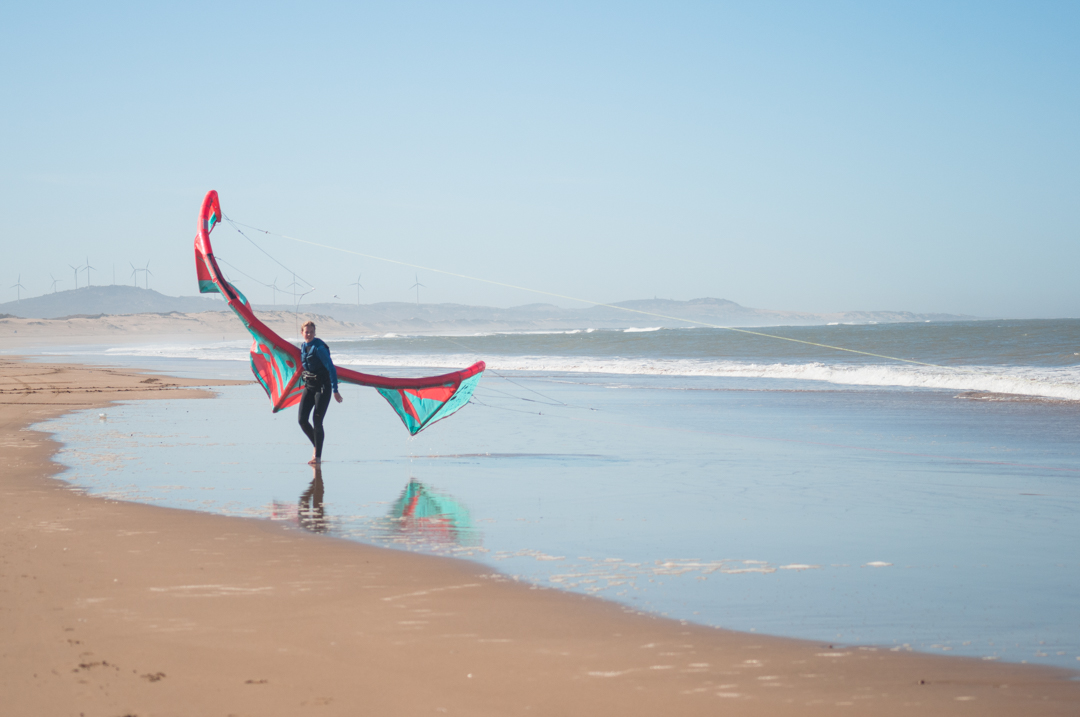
(116, 301)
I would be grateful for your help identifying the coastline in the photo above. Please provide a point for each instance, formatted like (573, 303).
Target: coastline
(113, 606)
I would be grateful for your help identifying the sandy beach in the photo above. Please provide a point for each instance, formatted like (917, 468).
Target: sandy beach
(114, 608)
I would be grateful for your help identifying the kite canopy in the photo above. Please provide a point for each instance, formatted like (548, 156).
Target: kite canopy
(419, 402)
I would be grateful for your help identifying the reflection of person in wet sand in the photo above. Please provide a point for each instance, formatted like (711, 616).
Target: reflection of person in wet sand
(311, 512)
(320, 379)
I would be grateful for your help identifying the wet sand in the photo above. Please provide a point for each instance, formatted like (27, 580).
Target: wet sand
(113, 608)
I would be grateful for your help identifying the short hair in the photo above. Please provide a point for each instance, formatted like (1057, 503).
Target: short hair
(307, 324)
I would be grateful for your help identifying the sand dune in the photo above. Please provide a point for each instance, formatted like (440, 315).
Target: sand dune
(135, 328)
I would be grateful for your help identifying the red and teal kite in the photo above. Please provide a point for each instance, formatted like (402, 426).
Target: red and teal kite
(276, 362)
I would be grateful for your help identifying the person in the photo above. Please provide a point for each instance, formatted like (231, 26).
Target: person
(320, 379)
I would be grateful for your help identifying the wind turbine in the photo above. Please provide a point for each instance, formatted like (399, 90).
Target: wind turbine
(88, 268)
(297, 300)
(19, 288)
(292, 287)
(147, 274)
(134, 273)
(274, 287)
(76, 270)
(55, 281)
(358, 286)
(416, 286)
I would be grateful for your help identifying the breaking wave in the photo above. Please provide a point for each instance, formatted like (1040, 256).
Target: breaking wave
(1049, 382)
(1060, 383)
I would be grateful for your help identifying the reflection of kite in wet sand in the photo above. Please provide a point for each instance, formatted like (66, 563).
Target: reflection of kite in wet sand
(426, 514)
(276, 362)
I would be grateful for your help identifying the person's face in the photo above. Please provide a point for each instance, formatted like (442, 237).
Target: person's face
(308, 333)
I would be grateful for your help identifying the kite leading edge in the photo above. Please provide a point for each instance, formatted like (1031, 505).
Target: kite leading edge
(419, 402)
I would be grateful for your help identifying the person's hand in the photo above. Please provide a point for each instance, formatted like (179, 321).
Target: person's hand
(337, 397)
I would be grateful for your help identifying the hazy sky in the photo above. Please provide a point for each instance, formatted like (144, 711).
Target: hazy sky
(811, 156)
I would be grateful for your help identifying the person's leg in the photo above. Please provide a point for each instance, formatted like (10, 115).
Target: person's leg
(307, 402)
(322, 402)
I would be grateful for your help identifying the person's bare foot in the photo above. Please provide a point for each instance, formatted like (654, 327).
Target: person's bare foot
(315, 460)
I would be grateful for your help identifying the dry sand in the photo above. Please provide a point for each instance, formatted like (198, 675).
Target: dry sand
(111, 608)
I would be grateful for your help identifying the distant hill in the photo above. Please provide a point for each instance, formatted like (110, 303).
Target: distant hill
(403, 316)
(421, 318)
(728, 313)
(112, 300)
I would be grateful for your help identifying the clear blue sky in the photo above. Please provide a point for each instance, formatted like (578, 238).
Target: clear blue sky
(811, 156)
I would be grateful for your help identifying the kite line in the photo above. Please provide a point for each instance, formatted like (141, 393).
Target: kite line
(952, 369)
(587, 301)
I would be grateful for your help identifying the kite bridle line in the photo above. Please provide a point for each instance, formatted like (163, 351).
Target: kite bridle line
(311, 287)
(240, 271)
(295, 275)
(589, 301)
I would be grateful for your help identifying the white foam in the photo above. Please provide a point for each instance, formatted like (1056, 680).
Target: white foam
(223, 351)
(1059, 383)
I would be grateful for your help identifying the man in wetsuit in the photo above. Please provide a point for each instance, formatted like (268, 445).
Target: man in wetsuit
(320, 379)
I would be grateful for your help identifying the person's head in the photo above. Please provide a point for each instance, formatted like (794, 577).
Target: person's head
(308, 330)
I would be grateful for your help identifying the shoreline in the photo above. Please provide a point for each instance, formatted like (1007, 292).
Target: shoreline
(218, 336)
(246, 616)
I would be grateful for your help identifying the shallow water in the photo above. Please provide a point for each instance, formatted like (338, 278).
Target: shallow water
(899, 517)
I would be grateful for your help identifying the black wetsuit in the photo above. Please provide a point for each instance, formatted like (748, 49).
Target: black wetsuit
(320, 382)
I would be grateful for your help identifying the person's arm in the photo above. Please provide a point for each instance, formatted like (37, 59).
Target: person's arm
(323, 353)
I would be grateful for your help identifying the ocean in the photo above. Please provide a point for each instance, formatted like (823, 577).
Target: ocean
(724, 478)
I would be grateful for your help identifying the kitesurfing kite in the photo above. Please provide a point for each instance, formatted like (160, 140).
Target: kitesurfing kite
(276, 362)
